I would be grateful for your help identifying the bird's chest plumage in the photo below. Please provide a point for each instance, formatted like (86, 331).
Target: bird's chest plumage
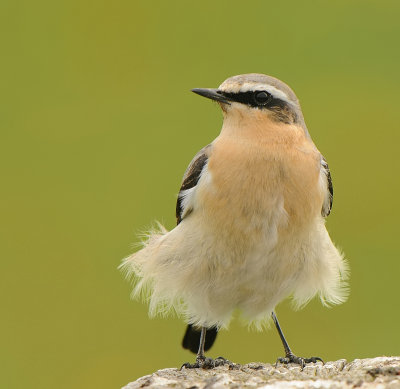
(252, 187)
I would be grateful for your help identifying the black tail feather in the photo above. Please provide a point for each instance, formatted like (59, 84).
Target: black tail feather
(191, 340)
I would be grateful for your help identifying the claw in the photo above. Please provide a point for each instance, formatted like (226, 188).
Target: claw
(188, 365)
(207, 363)
(313, 360)
(291, 358)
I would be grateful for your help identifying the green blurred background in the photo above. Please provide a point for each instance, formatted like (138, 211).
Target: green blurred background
(97, 127)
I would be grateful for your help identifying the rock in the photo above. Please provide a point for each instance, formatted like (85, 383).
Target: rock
(381, 372)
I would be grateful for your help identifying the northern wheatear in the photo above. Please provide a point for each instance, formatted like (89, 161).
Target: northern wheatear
(250, 222)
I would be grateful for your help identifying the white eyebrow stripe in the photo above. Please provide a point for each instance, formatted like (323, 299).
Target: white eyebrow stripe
(249, 87)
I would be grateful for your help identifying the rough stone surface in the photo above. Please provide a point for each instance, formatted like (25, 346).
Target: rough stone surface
(381, 372)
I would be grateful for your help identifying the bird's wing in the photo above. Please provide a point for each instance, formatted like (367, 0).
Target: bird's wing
(183, 208)
(327, 206)
(189, 182)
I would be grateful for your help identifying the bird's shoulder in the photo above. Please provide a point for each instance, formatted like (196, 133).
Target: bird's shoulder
(195, 167)
(190, 179)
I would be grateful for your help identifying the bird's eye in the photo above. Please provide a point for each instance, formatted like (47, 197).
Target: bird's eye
(261, 98)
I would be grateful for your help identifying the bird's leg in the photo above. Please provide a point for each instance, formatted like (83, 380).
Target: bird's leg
(289, 356)
(201, 360)
(200, 357)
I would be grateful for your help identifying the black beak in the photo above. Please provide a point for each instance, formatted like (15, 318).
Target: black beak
(213, 94)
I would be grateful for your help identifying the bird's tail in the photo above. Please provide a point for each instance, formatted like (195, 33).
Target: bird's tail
(191, 339)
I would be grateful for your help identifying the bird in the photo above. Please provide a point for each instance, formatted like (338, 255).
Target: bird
(250, 231)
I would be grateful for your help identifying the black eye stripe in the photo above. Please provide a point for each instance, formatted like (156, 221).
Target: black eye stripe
(282, 110)
(242, 97)
(259, 99)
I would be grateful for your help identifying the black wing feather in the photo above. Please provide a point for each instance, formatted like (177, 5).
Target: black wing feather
(326, 209)
(191, 177)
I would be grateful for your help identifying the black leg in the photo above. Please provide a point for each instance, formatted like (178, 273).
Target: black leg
(200, 353)
(289, 356)
(201, 360)
(278, 327)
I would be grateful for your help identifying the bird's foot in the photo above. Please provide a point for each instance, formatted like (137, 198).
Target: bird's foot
(207, 363)
(291, 358)
(221, 361)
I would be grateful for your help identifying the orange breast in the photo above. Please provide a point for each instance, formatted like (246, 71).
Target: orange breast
(253, 171)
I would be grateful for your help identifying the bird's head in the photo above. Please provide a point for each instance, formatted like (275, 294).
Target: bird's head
(256, 94)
